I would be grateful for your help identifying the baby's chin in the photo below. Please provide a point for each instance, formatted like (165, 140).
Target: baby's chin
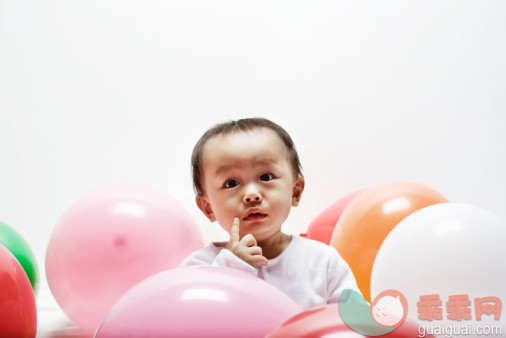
(262, 236)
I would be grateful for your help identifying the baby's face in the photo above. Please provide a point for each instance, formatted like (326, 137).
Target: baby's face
(248, 175)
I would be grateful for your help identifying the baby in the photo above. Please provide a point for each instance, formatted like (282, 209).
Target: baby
(247, 176)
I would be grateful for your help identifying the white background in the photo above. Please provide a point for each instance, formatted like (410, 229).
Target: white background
(94, 93)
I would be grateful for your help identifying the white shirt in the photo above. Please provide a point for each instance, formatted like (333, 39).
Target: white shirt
(309, 272)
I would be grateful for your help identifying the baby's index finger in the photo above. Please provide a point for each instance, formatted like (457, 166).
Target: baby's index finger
(234, 231)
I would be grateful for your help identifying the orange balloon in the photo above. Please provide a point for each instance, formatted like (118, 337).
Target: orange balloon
(322, 227)
(370, 217)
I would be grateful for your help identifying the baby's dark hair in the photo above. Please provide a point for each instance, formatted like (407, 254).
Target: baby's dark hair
(241, 125)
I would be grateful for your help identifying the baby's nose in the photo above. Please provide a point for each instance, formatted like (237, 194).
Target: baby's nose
(252, 196)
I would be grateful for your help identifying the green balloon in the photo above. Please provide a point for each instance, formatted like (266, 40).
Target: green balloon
(21, 250)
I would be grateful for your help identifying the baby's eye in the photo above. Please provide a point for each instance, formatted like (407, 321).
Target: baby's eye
(266, 177)
(230, 184)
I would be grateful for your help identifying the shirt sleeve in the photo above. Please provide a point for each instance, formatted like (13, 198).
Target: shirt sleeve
(339, 277)
(224, 258)
(227, 259)
(201, 257)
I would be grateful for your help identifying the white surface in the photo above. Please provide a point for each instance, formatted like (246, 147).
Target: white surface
(52, 322)
(100, 92)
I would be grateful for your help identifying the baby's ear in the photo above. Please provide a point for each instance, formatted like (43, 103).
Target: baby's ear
(205, 206)
(298, 188)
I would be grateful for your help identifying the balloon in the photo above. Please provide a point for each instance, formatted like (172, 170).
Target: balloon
(325, 321)
(314, 323)
(370, 217)
(322, 227)
(446, 250)
(198, 301)
(110, 240)
(18, 314)
(21, 250)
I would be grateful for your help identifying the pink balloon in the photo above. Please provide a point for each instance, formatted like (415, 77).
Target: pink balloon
(110, 240)
(198, 301)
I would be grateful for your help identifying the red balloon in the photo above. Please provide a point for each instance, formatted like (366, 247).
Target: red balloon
(322, 227)
(18, 314)
(314, 323)
(408, 329)
(326, 320)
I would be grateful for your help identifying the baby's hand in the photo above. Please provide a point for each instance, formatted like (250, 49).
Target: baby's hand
(246, 248)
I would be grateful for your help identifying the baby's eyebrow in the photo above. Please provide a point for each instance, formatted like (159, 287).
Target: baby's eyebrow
(223, 168)
(227, 167)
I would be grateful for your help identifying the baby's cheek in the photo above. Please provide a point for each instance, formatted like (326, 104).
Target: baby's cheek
(283, 204)
(221, 207)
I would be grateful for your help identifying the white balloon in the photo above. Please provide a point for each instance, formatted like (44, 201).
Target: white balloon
(446, 249)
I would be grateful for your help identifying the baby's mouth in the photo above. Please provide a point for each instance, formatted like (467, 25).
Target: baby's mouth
(256, 216)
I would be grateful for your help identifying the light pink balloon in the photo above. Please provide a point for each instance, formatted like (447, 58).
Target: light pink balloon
(110, 240)
(198, 301)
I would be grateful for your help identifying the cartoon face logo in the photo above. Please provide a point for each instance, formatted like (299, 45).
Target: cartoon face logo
(384, 315)
(389, 308)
